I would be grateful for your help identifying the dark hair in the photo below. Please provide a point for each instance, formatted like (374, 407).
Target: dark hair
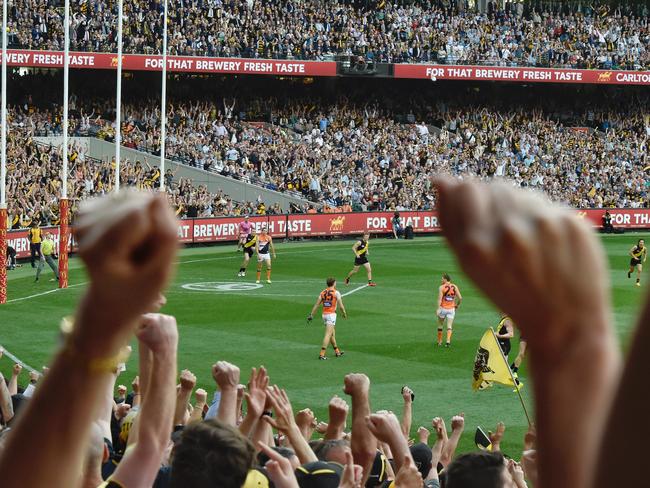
(446, 276)
(331, 281)
(396, 214)
(211, 453)
(285, 452)
(639, 241)
(476, 470)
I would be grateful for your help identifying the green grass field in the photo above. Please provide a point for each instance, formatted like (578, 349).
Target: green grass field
(389, 334)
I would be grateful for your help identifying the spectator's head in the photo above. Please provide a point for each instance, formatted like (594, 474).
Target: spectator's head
(331, 282)
(332, 450)
(319, 474)
(479, 470)
(422, 457)
(285, 452)
(211, 453)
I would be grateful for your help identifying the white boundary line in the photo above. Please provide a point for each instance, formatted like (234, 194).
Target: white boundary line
(354, 291)
(44, 293)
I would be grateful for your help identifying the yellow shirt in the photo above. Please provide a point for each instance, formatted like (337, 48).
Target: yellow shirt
(47, 247)
(35, 235)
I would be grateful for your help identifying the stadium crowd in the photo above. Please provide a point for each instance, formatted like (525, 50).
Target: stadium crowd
(370, 149)
(508, 33)
(34, 178)
(156, 436)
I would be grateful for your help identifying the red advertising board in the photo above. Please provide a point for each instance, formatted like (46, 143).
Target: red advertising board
(524, 75)
(624, 218)
(188, 64)
(305, 225)
(222, 229)
(227, 228)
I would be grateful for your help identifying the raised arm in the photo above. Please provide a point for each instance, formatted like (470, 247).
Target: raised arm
(187, 384)
(519, 249)
(13, 382)
(255, 400)
(386, 428)
(338, 414)
(141, 462)
(363, 443)
(6, 406)
(226, 376)
(124, 282)
(407, 411)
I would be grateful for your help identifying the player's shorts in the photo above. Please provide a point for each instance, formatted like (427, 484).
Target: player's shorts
(634, 262)
(250, 251)
(361, 260)
(505, 347)
(446, 313)
(329, 319)
(264, 257)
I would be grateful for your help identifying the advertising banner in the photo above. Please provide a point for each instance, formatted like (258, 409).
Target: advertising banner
(523, 75)
(220, 229)
(188, 64)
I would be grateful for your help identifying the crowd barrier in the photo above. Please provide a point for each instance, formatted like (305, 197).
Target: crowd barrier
(223, 229)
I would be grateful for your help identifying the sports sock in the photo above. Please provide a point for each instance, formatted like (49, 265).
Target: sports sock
(514, 368)
(322, 351)
(439, 336)
(268, 274)
(241, 270)
(638, 280)
(259, 273)
(449, 332)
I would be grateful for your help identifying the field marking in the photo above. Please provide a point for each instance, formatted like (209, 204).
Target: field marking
(354, 291)
(44, 293)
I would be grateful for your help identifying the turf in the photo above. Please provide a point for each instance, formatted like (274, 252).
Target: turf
(389, 334)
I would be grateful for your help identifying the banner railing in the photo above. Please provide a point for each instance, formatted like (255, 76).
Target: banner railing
(226, 229)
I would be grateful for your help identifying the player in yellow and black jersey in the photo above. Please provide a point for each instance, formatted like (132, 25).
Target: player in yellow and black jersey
(360, 250)
(249, 250)
(639, 254)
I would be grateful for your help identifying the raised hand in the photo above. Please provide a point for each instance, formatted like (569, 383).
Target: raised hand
(497, 436)
(17, 368)
(284, 420)
(128, 242)
(338, 412)
(458, 422)
(356, 383)
(385, 427)
(187, 380)
(306, 421)
(201, 396)
(226, 375)
(256, 395)
(158, 332)
(423, 434)
(352, 476)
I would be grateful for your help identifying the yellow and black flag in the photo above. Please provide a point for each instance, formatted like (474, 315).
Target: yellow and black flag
(490, 365)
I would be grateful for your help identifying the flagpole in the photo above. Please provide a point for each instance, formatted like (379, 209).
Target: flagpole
(64, 230)
(118, 97)
(3, 163)
(514, 381)
(163, 103)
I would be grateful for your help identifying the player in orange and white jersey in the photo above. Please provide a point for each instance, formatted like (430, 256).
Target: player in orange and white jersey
(330, 299)
(449, 299)
(263, 249)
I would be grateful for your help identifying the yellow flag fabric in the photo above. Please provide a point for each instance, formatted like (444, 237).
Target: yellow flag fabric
(490, 365)
(592, 192)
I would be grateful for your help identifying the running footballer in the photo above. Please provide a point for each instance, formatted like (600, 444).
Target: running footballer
(360, 249)
(249, 250)
(639, 254)
(330, 299)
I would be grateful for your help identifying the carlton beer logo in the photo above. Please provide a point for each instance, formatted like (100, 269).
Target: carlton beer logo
(606, 76)
(336, 225)
(114, 61)
(582, 215)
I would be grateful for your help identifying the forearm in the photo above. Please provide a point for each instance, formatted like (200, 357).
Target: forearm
(157, 410)
(227, 412)
(301, 446)
(197, 413)
(182, 400)
(363, 443)
(572, 402)
(105, 408)
(407, 415)
(400, 449)
(262, 432)
(449, 447)
(13, 382)
(6, 406)
(248, 424)
(334, 431)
